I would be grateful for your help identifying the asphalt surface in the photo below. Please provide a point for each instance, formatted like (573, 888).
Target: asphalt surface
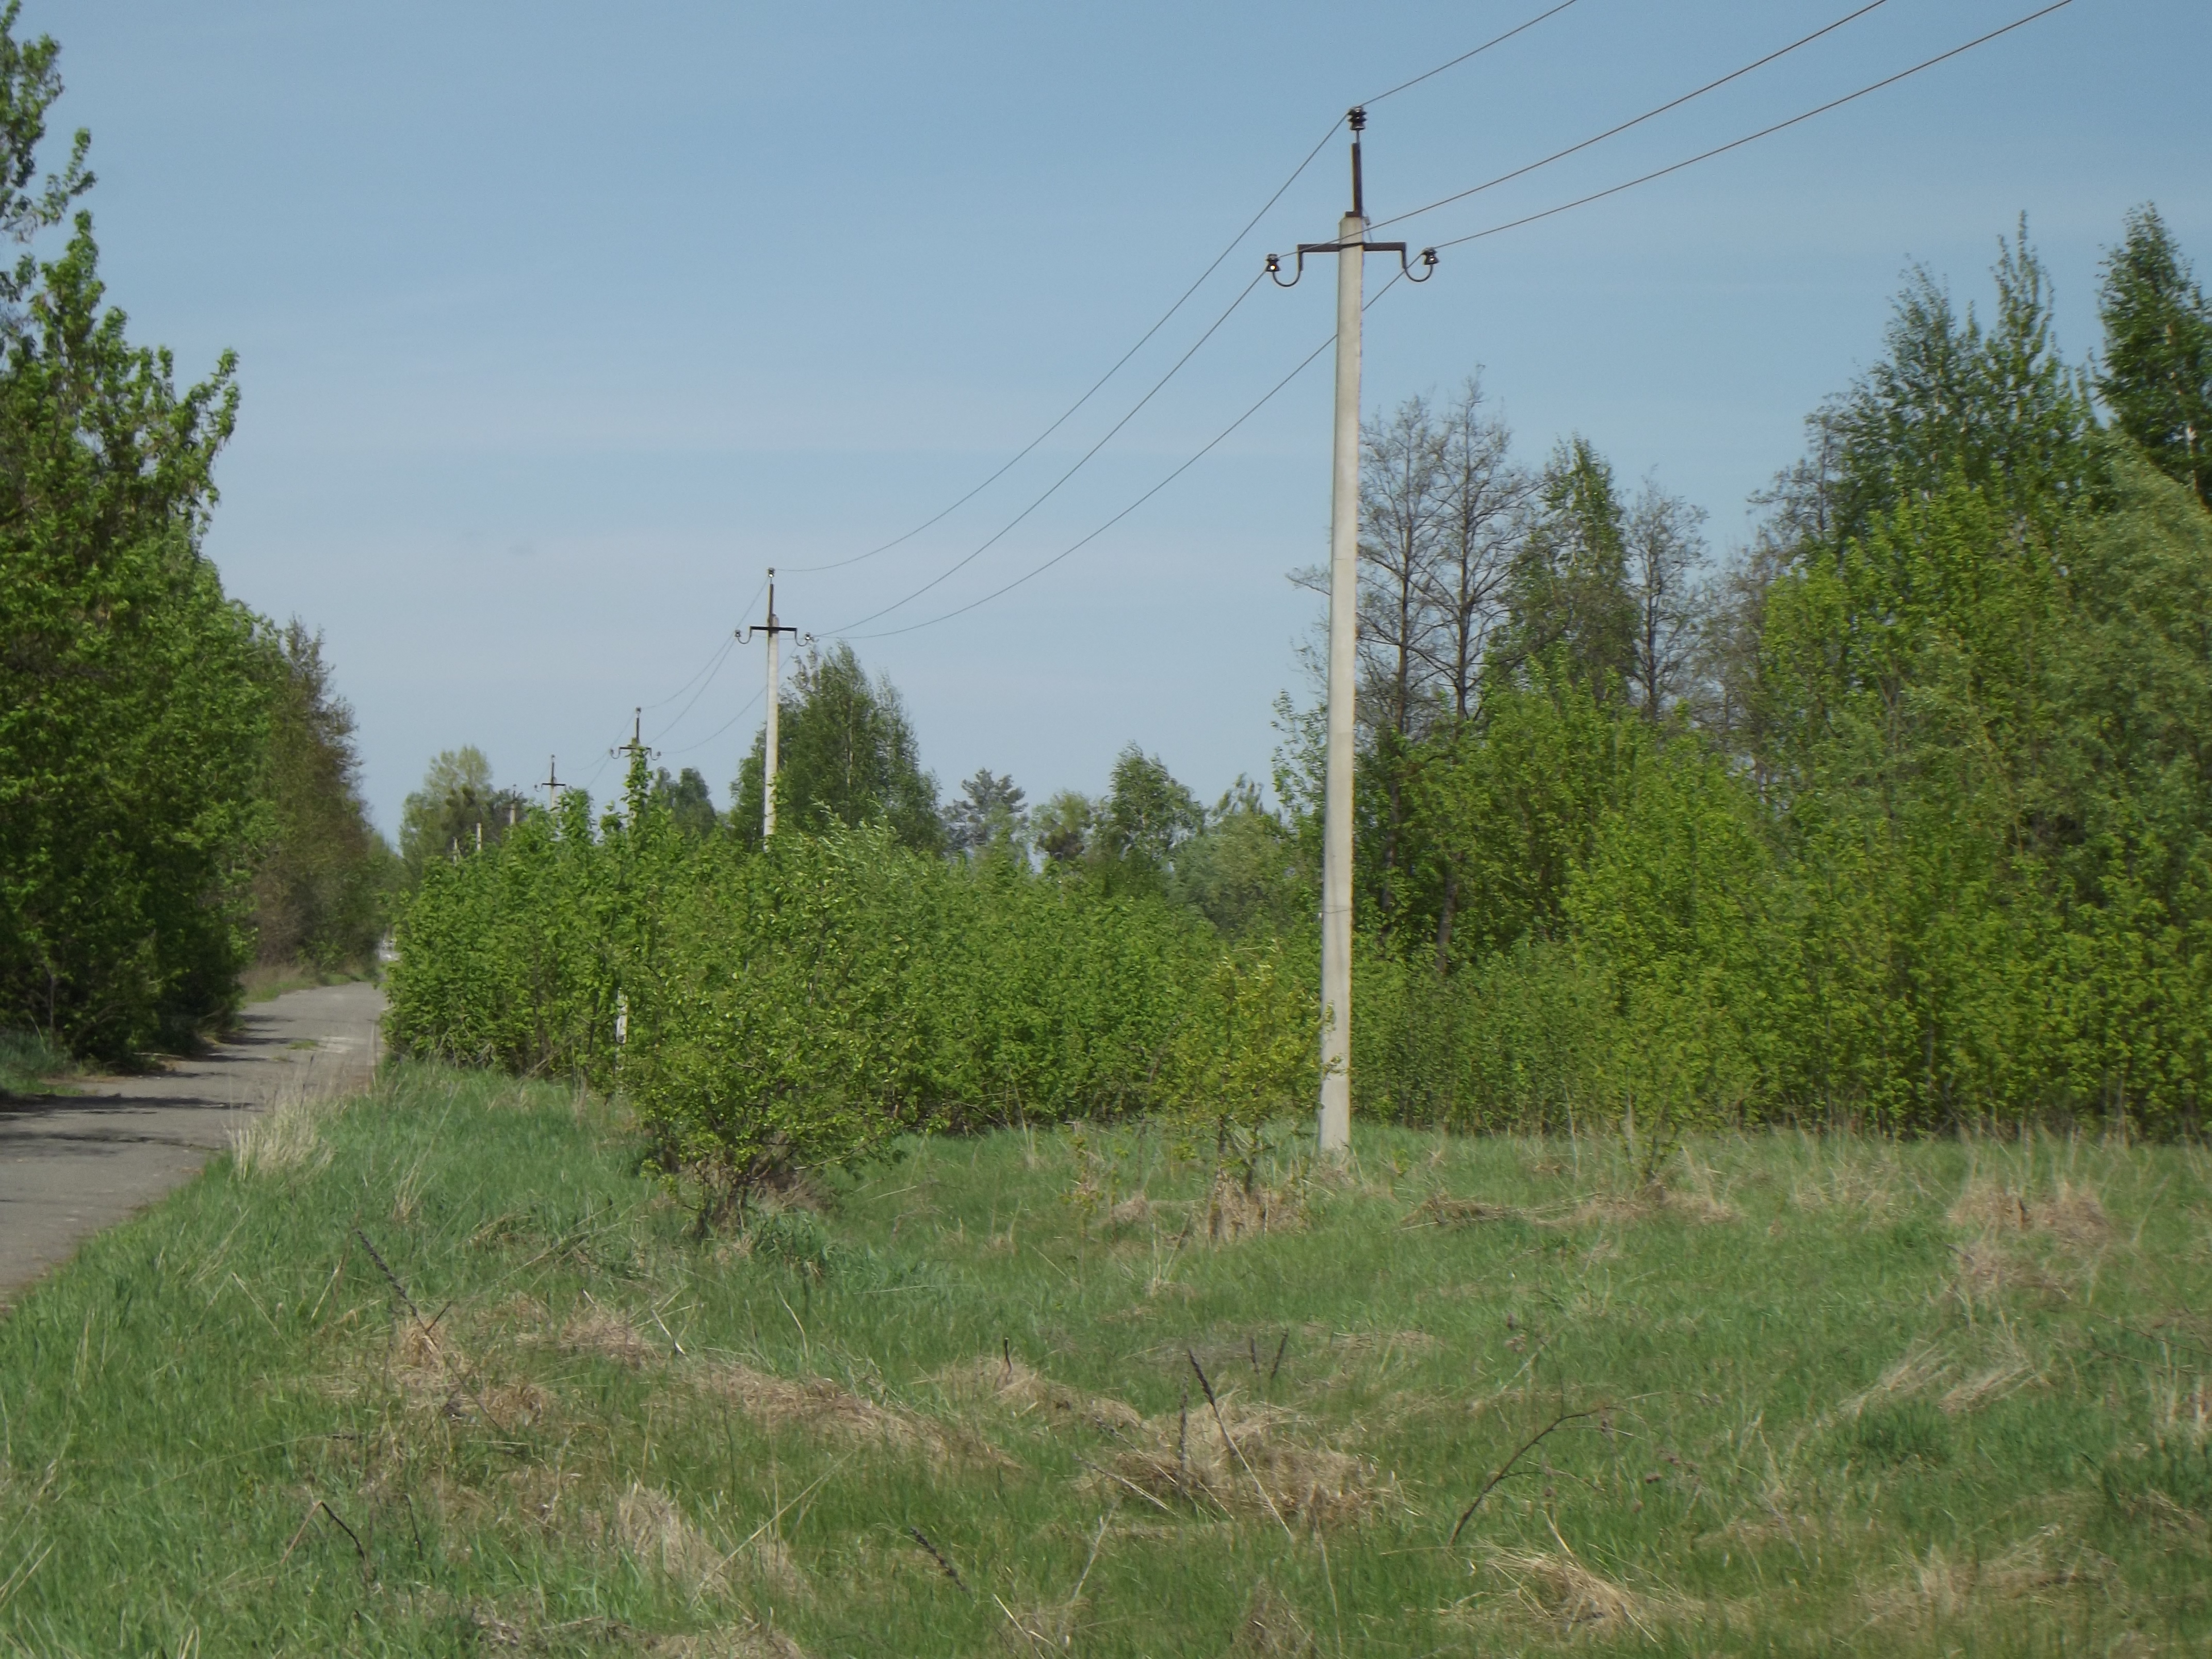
(72, 1164)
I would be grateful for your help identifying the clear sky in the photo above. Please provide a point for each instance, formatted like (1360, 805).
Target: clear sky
(557, 324)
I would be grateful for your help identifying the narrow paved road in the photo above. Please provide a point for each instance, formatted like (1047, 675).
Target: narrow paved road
(74, 1163)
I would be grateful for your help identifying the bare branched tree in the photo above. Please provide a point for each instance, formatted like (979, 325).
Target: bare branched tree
(1663, 537)
(1482, 518)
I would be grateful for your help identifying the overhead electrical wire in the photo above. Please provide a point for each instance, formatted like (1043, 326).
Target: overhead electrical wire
(689, 747)
(1210, 444)
(1650, 114)
(1007, 528)
(1720, 150)
(721, 657)
(1495, 40)
(1143, 339)
(1119, 362)
(1764, 132)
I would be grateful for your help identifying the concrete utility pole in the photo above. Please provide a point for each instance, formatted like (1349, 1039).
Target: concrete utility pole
(771, 628)
(1351, 248)
(552, 786)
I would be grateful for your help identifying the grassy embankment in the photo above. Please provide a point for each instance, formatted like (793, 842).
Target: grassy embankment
(30, 1065)
(1826, 1396)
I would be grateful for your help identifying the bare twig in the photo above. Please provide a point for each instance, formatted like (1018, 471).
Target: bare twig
(391, 1278)
(1231, 1440)
(938, 1556)
(1281, 1348)
(1506, 1467)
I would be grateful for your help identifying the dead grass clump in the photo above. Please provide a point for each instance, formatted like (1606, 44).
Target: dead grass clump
(815, 1404)
(1560, 1589)
(1270, 1628)
(1917, 1372)
(606, 1333)
(1442, 1210)
(1939, 1588)
(2071, 1214)
(1261, 1467)
(1642, 1204)
(1986, 1269)
(1648, 1203)
(286, 1139)
(1234, 1212)
(1007, 1384)
(1986, 1386)
(648, 1525)
(1132, 1212)
(748, 1640)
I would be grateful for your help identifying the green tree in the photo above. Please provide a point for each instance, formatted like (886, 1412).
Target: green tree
(1142, 822)
(1570, 597)
(689, 803)
(2157, 372)
(848, 755)
(455, 812)
(133, 713)
(319, 893)
(991, 816)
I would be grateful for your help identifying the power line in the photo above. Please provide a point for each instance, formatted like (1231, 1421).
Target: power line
(1497, 41)
(691, 747)
(1119, 362)
(709, 667)
(1650, 114)
(1005, 529)
(1143, 339)
(1764, 132)
(713, 668)
(1210, 444)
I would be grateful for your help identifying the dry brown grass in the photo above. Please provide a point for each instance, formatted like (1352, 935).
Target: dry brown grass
(1262, 1465)
(649, 1526)
(1641, 1204)
(1270, 1628)
(1232, 1213)
(818, 1406)
(1561, 1591)
(1938, 1587)
(2070, 1214)
(1006, 1384)
(606, 1333)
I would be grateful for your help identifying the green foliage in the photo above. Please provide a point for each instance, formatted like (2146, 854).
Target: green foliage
(790, 1008)
(132, 709)
(1805, 1443)
(457, 810)
(1247, 1054)
(689, 804)
(1940, 858)
(2156, 377)
(847, 754)
(319, 893)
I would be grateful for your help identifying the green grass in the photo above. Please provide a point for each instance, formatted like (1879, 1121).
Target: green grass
(267, 980)
(31, 1065)
(1845, 1397)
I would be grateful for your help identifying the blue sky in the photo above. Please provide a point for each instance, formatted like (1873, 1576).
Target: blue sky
(557, 325)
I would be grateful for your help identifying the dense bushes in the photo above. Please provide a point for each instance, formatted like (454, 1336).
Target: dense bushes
(769, 1010)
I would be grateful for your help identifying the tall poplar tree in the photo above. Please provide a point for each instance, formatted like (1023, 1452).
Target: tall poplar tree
(2157, 372)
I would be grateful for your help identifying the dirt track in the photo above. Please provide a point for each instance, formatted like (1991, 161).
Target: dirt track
(72, 1164)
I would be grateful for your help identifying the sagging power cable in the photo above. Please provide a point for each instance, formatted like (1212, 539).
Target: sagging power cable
(1648, 115)
(1764, 132)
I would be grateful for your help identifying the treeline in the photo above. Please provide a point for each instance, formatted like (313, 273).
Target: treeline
(1900, 818)
(178, 789)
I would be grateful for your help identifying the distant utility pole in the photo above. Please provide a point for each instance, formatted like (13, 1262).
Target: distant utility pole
(552, 786)
(771, 628)
(1351, 248)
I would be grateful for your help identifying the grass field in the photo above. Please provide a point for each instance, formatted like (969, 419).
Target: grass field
(1820, 1397)
(30, 1065)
